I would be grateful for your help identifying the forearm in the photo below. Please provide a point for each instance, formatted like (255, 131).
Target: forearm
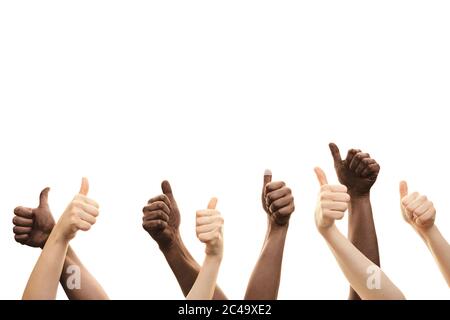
(439, 248)
(265, 279)
(185, 268)
(43, 281)
(357, 268)
(361, 231)
(86, 287)
(205, 284)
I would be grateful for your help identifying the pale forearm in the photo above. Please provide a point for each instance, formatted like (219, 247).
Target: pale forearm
(439, 248)
(43, 281)
(205, 284)
(186, 269)
(265, 280)
(357, 268)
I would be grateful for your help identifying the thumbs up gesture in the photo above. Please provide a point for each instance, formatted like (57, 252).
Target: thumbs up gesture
(332, 202)
(277, 200)
(161, 217)
(32, 226)
(358, 172)
(80, 214)
(209, 228)
(417, 210)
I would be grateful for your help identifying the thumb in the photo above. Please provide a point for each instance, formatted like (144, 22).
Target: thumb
(167, 190)
(321, 176)
(403, 189)
(267, 177)
(84, 189)
(335, 153)
(212, 203)
(43, 198)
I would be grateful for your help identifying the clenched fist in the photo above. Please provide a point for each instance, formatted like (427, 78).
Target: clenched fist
(358, 172)
(162, 218)
(80, 214)
(209, 228)
(277, 200)
(332, 202)
(33, 226)
(417, 210)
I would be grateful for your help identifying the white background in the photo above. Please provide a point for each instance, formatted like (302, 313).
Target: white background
(208, 94)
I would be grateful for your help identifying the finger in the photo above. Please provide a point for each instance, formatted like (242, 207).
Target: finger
(157, 206)
(21, 237)
(87, 217)
(22, 222)
(410, 198)
(208, 236)
(85, 199)
(83, 225)
(287, 210)
(280, 203)
(205, 220)
(161, 197)
(371, 169)
(207, 228)
(426, 217)
(272, 186)
(24, 212)
(351, 153)
(84, 189)
(167, 190)
(207, 213)
(333, 214)
(357, 159)
(338, 188)
(155, 225)
(335, 206)
(335, 196)
(363, 165)
(413, 205)
(335, 153)
(403, 189)
(43, 198)
(92, 210)
(21, 230)
(156, 215)
(278, 194)
(321, 176)
(423, 208)
(212, 204)
(267, 177)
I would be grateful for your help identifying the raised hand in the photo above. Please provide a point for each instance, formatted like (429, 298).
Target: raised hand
(209, 229)
(332, 202)
(277, 200)
(33, 226)
(162, 218)
(80, 214)
(358, 172)
(417, 210)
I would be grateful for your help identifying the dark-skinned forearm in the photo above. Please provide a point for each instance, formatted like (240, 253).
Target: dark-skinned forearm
(89, 289)
(265, 279)
(185, 268)
(361, 231)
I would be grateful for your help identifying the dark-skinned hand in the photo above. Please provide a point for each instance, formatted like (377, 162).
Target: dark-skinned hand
(277, 200)
(33, 226)
(162, 217)
(358, 172)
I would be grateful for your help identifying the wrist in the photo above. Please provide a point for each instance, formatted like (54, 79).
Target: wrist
(326, 232)
(359, 196)
(275, 228)
(57, 236)
(426, 233)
